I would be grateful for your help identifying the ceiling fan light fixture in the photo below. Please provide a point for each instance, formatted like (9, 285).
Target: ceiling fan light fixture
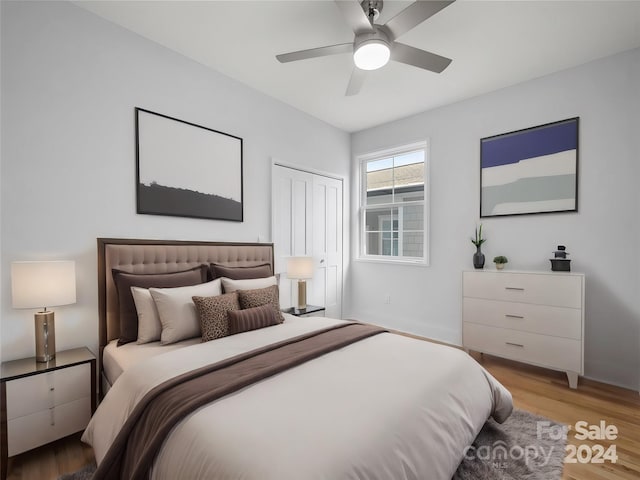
(372, 54)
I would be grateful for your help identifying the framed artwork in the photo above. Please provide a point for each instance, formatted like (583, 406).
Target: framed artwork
(534, 170)
(187, 170)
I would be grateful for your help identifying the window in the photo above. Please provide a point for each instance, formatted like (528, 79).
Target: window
(393, 205)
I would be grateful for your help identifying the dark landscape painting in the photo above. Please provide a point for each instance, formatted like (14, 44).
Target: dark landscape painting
(187, 170)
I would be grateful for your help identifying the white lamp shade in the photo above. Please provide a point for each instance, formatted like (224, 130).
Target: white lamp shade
(43, 284)
(371, 55)
(300, 267)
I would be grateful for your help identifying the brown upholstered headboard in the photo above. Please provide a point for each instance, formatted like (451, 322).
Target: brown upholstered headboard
(160, 256)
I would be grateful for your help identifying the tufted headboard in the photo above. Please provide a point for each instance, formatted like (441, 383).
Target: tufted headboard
(161, 256)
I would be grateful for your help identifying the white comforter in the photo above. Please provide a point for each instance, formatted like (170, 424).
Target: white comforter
(387, 407)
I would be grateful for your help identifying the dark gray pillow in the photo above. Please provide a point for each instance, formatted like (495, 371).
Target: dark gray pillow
(240, 273)
(251, 319)
(261, 296)
(127, 307)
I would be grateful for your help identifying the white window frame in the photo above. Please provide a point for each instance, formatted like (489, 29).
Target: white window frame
(362, 208)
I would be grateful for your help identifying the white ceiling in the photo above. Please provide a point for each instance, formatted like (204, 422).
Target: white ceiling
(493, 44)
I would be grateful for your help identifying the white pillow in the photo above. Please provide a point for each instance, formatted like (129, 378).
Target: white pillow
(149, 326)
(177, 311)
(230, 285)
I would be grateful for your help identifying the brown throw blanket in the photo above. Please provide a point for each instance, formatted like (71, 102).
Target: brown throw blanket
(138, 442)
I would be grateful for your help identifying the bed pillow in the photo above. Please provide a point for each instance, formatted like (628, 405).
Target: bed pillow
(251, 319)
(149, 326)
(177, 312)
(262, 296)
(240, 273)
(231, 285)
(213, 314)
(126, 306)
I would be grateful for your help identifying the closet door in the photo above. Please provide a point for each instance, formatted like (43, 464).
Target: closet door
(307, 220)
(291, 199)
(327, 243)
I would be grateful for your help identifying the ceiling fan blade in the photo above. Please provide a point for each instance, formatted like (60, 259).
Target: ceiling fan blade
(315, 52)
(413, 15)
(418, 58)
(355, 82)
(355, 16)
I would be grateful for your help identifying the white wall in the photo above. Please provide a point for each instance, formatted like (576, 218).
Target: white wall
(70, 82)
(603, 238)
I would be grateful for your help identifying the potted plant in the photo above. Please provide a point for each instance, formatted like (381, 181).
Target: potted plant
(500, 261)
(478, 257)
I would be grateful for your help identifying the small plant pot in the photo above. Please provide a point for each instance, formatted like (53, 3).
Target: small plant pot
(499, 266)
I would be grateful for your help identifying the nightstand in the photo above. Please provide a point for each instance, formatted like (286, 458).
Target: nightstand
(42, 402)
(310, 311)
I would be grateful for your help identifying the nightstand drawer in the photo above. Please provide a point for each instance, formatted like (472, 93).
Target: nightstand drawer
(554, 352)
(31, 431)
(555, 321)
(37, 393)
(543, 289)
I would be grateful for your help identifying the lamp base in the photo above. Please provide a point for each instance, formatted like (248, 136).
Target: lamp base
(302, 294)
(45, 336)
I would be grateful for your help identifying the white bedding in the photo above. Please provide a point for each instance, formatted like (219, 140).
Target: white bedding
(116, 359)
(387, 407)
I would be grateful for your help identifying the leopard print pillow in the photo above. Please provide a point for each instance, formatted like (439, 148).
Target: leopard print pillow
(261, 296)
(213, 314)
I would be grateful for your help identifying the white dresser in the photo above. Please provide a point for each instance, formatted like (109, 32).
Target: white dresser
(531, 317)
(42, 402)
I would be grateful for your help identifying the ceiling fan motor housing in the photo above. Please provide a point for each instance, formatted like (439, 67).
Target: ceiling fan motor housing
(378, 35)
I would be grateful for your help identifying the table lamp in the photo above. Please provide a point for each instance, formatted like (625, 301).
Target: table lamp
(300, 268)
(42, 285)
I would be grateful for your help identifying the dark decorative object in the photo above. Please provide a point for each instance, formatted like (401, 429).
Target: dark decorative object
(534, 170)
(560, 262)
(187, 170)
(478, 257)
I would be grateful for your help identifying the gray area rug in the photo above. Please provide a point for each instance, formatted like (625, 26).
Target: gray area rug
(512, 451)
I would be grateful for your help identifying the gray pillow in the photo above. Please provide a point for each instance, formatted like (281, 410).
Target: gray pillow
(251, 319)
(126, 306)
(241, 273)
(262, 296)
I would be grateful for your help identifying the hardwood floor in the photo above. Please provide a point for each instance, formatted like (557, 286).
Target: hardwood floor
(546, 393)
(50, 461)
(537, 390)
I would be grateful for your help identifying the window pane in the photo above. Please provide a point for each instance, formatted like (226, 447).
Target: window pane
(394, 205)
(413, 244)
(395, 179)
(382, 231)
(409, 177)
(379, 181)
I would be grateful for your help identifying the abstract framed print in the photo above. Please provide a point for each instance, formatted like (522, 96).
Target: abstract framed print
(528, 171)
(187, 170)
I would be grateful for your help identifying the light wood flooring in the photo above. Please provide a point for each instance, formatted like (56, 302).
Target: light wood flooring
(537, 390)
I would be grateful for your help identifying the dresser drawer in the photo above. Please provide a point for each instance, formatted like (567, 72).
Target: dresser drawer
(543, 350)
(555, 321)
(40, 392)
(31, 431)
(544, 289)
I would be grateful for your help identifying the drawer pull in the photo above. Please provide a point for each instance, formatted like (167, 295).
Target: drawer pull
(515, 344)
(52, 389)
(508, 315)
(515, 288)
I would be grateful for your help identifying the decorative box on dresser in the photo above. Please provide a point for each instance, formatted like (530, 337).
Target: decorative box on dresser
(42, 402)
(531, 317)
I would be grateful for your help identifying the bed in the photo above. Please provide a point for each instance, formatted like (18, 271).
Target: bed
(384, 407)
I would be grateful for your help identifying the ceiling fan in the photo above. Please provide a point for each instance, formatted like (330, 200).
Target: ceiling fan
(374, 45)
